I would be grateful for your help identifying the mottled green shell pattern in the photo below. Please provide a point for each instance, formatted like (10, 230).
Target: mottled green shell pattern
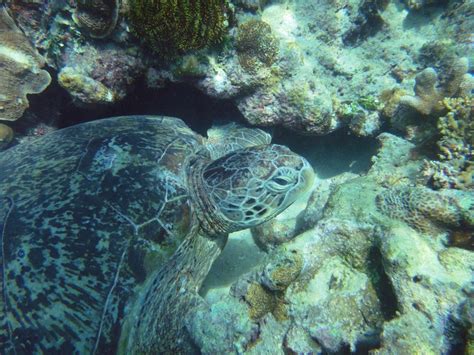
(85, 214)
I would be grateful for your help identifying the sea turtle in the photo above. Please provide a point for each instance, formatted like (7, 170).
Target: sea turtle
(89, 216)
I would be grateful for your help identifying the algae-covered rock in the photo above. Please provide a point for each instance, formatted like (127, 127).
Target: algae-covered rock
(410, 333)
(20, 70)
(331, 305)
(85, 90)
(224, 327)
(430, 287)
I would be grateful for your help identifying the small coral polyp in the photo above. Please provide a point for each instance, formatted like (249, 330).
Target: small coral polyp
(169, 27)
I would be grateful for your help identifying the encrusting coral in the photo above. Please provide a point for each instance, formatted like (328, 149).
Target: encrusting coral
(97, 18)
(20, 71)
(429, 91)
(169, 27)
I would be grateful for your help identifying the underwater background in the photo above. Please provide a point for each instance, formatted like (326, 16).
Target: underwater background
(375, 94)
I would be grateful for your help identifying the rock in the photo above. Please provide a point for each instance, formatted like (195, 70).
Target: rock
(331, 305)
(223, 327)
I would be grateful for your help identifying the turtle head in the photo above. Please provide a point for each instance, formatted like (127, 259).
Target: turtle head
(250, 186)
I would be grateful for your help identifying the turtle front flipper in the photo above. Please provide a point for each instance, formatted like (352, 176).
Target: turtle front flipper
(231, 137)
(156, 324)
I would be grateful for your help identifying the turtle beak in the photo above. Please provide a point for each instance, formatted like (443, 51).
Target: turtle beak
(307, 177)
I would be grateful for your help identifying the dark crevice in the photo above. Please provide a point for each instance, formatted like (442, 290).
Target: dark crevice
(367, 23)
(198, 110)
(457, 335)
(331, 154)
(382, 284)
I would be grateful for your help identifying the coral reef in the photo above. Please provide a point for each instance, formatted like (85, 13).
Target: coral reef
(377, 262)
(97, 18)
(256, 45)
(6, 136)
(20, 70)
(169, 29)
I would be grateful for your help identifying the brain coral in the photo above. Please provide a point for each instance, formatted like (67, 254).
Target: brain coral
(256, 45)
(20, 71)
(97, 17)
(422, 208)
(171, 27)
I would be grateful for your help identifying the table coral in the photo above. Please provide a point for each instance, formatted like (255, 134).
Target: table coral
(20, 70)
(97, 18)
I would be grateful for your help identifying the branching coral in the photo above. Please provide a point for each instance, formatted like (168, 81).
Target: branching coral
(97, 17)
(430, 90)
(256, 45)
(20, 71)
(170, 27)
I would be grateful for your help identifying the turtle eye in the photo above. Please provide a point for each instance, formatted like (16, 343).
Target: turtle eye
(282, 180)
(280, 183)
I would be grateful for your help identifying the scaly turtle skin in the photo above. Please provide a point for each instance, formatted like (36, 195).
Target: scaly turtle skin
(91, 214)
